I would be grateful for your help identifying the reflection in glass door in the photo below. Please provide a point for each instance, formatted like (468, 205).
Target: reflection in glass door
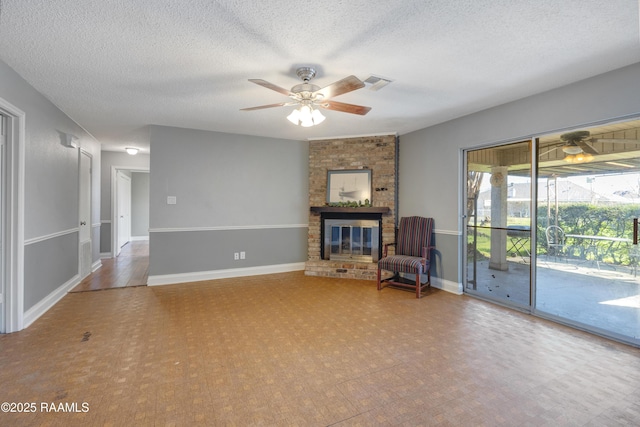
(588, 263)
(498, 226)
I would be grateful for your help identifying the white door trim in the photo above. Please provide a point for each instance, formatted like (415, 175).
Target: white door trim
(13, 299)
(85, 271)
(123, 185)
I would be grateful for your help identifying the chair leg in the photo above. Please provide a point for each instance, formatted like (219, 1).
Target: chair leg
(418, 285)
(379, 284)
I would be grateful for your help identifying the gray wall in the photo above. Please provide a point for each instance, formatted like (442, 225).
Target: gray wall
(234, 193)
(51, 189)
(119, 160)
(430, 159)
(140, 204)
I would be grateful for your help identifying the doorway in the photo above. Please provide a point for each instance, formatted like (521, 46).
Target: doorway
(589, 200)
(135, 199)
(12, 122)
(85, 243)
(123, 209)
(552, 227)
(3, 255)
(498, 229)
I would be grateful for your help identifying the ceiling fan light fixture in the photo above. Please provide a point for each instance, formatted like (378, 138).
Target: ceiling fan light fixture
(317, 117)
(306, 116)
(578, 158)
(572, 149)
(294, 117)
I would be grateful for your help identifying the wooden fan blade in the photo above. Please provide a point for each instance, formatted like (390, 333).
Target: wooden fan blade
(548, 151)
(616, 140)
(586, 147)
(345, 85)
(271, 86)
(345, 108)
(261, 107)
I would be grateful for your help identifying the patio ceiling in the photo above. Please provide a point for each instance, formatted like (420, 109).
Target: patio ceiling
(616, 146)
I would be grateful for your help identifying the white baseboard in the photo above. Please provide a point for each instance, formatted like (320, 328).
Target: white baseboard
(437, 282)
(96, 265)
(49, 301)
(139, 238)
(447, 285)
(105, 255)
(169, 279)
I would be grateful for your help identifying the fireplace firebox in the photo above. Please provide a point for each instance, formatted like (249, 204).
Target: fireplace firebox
(356, 240)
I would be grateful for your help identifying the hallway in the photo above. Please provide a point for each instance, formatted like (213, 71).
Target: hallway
(129, 269)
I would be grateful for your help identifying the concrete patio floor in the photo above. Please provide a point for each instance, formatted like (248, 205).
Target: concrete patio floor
(605, 298)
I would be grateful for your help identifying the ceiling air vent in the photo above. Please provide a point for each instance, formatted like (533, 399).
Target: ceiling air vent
(377, 82)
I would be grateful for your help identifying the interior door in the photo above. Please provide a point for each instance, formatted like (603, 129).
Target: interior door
(498, 226)
(124, 209)
(85, 214)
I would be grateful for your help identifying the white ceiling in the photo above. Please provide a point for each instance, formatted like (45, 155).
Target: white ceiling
(116, 66)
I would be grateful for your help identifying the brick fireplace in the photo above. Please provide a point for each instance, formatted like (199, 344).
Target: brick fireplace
(377, 154)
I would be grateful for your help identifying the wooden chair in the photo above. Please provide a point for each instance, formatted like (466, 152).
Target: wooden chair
(412, 255)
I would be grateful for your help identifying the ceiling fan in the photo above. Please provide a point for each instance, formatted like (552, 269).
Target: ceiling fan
(310, 97)
(578, 142)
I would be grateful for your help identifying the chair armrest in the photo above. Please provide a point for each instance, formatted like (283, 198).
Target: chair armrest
(426, 251)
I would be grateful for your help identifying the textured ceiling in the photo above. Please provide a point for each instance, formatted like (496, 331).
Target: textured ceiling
(116, 66)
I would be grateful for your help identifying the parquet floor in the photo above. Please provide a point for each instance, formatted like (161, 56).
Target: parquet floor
(130, 268)
(291, 350)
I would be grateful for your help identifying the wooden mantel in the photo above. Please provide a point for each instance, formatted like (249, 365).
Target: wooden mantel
(335, 209)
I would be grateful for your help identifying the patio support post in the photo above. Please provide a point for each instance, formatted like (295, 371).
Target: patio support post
(498, 259)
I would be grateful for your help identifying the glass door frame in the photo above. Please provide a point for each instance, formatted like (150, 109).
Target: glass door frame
(533, 148)
(534, 200)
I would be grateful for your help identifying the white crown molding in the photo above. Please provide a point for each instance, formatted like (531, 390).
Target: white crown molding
(374, 135)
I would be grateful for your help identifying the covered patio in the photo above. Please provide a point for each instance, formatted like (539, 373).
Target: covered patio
(584, 188)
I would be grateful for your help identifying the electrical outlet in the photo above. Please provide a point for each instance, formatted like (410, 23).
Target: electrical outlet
(243, 255)
(236, 256)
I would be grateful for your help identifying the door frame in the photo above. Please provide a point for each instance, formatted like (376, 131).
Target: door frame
(13, 218)
(83, 152)
(464, 256)
(123, 208)
(114, 204)
(462, 224)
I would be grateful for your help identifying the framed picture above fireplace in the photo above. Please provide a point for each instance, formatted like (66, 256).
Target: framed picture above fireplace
(344, 186)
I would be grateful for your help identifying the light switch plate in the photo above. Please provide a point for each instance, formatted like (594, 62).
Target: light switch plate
(171, 200)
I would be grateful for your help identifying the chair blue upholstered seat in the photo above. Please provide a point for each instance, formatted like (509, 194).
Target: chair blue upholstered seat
(413, 255)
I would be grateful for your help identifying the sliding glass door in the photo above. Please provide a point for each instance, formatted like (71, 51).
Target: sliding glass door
(588, 201)
(498, 226)
(560, 242)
